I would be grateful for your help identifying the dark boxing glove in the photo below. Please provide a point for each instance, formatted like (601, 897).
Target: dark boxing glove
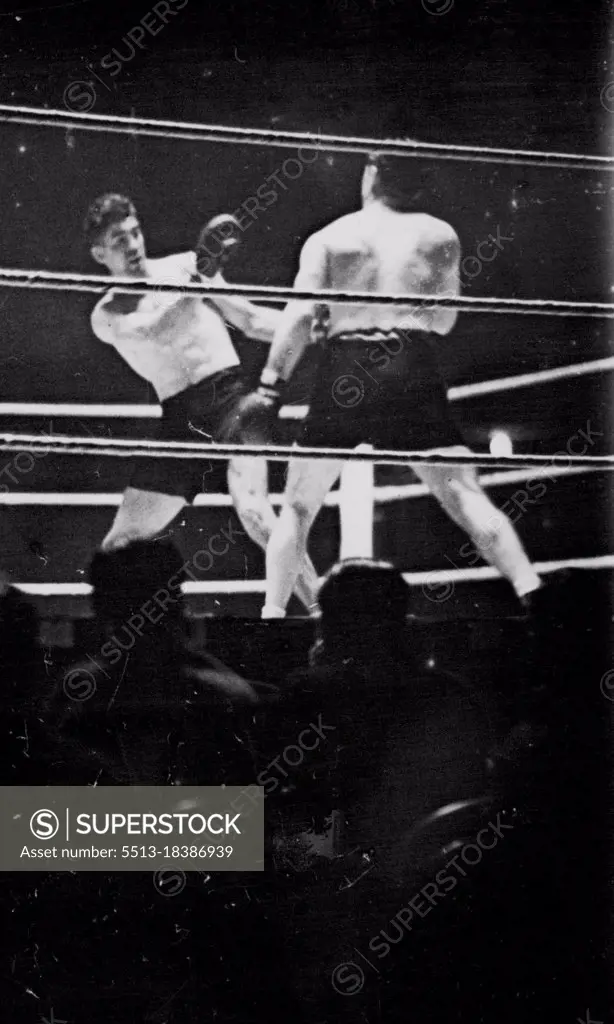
(257, 412)
(217, 244)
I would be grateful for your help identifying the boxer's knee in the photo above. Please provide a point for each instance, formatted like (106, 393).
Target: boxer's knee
(469, 505)
(301, 509)
(256, 515)
(255, 525)
(306, 489)
(456, 493)
(248, 489)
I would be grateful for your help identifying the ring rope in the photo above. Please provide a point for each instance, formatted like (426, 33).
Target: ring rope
(304, 140)
(98, 283)
(382, 495)
(298, 412)
(524, 380)
(402, 492)
(427, 580)
(126, 448)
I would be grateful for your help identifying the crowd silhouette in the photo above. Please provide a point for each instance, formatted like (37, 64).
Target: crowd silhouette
(396, 767)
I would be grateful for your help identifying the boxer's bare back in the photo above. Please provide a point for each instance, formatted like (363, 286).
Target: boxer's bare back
(377, 249)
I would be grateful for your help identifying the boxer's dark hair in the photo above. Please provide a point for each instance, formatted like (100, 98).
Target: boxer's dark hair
(110, 208)
(406, 184)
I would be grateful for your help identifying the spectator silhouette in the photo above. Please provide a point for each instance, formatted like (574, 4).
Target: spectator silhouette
(403, 739)
(397, 742)
(147, 708)
(21, 679)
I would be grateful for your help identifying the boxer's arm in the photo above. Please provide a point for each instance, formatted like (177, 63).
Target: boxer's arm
(444, 258)
(446, 264)
(118, 320)
(293, 334)
(257, 322)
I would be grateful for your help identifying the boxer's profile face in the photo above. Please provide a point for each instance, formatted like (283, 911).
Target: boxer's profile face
(121, 249)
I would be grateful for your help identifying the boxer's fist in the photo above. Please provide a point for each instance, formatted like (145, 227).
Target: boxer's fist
(217, 243)
(257, 414)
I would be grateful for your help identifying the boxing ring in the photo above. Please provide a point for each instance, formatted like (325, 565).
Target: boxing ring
(358, 497)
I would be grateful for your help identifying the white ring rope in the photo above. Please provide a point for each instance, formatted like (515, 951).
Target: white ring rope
(382, 495)
(525, 380)
(98, 283)
(125, 448)
(401, 492)
(298, 412)
(429, 579)
(136, 126)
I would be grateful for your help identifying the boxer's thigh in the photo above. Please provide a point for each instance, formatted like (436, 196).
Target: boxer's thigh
(309, 481)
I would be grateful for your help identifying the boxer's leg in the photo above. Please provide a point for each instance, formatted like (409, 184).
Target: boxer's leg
(248, 487)
(458, 491)
(307, 486)
(141, 516)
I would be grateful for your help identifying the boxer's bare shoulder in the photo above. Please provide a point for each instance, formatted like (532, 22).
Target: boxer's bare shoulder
(176, 268)
(346, 244)
(347, 229)
(358, 230)
(179, 265)
(433, 231)
(427, 238)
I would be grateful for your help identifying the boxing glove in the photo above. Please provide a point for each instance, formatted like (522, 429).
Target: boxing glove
(217, 244)
(257, 412)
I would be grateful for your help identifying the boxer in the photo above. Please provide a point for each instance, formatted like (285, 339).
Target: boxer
(180, 344)
(378, 380)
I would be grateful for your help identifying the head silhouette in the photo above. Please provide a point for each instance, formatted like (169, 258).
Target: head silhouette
(138, 587)
(364, 605)
(20, 654)
(406, 185)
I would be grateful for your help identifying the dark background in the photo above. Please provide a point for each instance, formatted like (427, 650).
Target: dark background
(504, 73)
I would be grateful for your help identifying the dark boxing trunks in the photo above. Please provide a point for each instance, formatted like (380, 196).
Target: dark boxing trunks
(211, 408)
(383, 388)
